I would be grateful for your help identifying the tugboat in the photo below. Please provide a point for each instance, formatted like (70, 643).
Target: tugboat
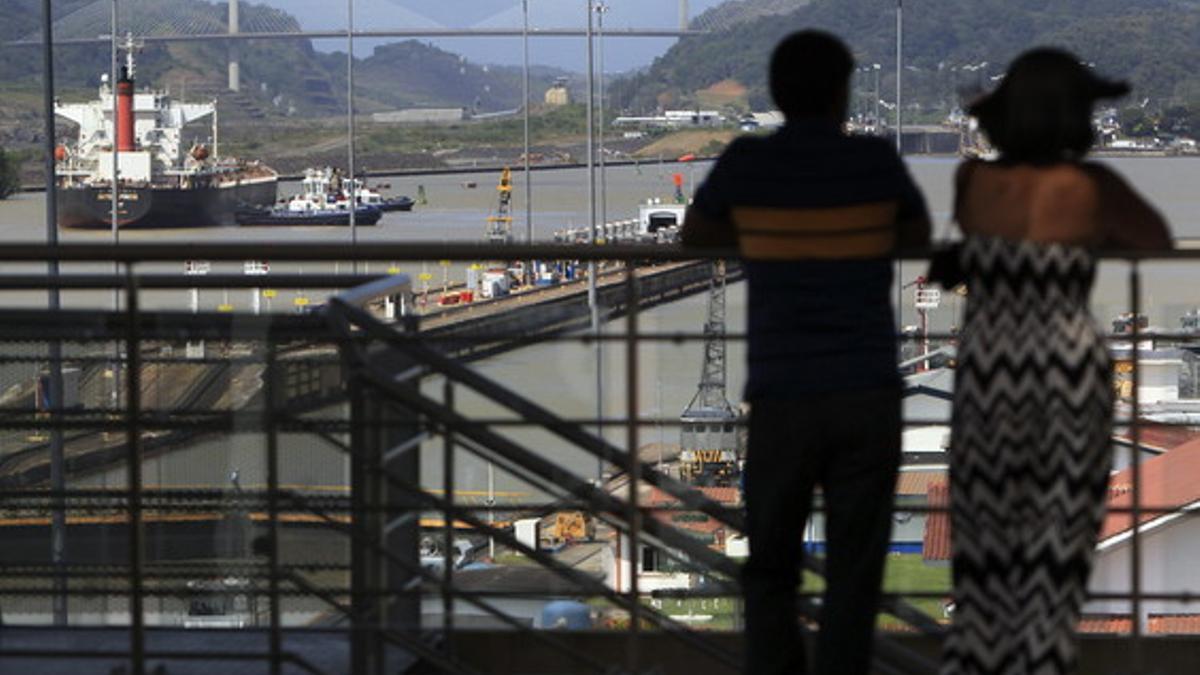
(368, 196)
(322, 201)
(158, 184)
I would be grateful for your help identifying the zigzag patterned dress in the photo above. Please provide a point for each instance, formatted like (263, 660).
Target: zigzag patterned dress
(1030, 457)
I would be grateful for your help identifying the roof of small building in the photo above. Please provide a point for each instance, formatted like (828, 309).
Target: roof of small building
(1174, 624)
(691, 521)
(1156, 624)
(1105, 624)
(917, 481)
(1161, 437)
(516, 579)
(1171, 480)
(936, 544)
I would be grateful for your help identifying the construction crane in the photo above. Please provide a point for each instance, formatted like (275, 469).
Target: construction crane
(499, 226)
(710, 436)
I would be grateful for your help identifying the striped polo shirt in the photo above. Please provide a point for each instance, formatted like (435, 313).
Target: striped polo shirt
(815, 213)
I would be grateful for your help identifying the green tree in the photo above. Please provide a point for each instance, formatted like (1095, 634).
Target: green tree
(1181, 119)
(10, 179)
(1135, 122)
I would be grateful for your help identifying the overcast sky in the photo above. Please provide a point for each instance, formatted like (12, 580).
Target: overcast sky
(620, 54)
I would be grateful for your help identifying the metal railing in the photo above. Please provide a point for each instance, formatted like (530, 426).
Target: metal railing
(339, 392)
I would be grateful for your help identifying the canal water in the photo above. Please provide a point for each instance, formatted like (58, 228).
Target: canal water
(562, 376)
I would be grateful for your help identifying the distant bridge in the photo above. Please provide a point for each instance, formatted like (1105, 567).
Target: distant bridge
(388, 33)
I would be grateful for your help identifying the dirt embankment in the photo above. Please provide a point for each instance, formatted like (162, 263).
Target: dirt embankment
(693, 141)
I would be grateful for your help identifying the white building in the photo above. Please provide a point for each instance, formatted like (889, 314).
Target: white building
(1169, 543)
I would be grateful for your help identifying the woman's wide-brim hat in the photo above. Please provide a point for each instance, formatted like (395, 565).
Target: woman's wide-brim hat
(1041, 72)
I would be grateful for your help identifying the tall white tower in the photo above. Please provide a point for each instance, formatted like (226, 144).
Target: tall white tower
(683, 14)
(234, 51)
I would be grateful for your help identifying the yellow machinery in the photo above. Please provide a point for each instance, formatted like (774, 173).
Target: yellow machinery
(570, 526)
(499, 229)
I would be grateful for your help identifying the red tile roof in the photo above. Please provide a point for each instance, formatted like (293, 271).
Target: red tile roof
(1174, 624)
(918, 482)
(1105, 624)
(936, 546)
(1170, 480)
(692, 521)
(728, 496)
(1161, 436)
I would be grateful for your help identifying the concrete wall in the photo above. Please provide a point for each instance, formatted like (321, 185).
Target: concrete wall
(1169, 560)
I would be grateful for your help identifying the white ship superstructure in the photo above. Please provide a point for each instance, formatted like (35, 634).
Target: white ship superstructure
(164, 180)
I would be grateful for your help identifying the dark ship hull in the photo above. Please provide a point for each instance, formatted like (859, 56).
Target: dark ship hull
(155, 207)
(404, 203)
(363, 215)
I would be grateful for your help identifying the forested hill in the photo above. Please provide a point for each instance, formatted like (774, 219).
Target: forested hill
(1154, 44)
(278, 76)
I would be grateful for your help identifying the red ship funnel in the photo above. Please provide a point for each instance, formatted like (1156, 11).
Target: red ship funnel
(125, 142)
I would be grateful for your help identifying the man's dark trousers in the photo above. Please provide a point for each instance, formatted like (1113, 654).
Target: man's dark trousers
(849, 444)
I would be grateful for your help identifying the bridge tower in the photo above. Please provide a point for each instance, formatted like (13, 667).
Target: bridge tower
(683, 14)
(235, 79)
(709, 440)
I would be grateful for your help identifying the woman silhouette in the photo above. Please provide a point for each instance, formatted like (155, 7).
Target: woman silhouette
(1033, 400)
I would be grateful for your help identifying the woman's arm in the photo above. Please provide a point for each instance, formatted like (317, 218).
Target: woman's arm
(1126, 219)
(962, 180)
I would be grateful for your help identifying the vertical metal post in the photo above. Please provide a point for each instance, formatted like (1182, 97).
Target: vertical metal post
(593, 270)
(899, 151)
(491, 504)
(359, 639)
(116, 167)
(448, 521)
(601, 10)
(353, 206)
(58, 516)
(899, 73)
(137, 646)
(633, 468)
(525, 105)
(1135, 547)
(275, 638)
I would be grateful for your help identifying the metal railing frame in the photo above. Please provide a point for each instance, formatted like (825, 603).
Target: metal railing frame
(358, 327)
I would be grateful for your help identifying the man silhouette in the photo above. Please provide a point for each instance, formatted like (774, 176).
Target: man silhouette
(817, 216)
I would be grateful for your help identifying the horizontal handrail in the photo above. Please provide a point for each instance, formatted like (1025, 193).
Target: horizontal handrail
(430, 250)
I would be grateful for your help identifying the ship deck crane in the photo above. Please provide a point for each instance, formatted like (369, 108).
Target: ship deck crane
(710, 435)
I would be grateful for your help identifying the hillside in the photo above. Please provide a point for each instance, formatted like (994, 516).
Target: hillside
(278, 76)
(1152, 43)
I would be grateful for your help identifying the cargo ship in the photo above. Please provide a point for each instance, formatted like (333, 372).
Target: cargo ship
(159, 182)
